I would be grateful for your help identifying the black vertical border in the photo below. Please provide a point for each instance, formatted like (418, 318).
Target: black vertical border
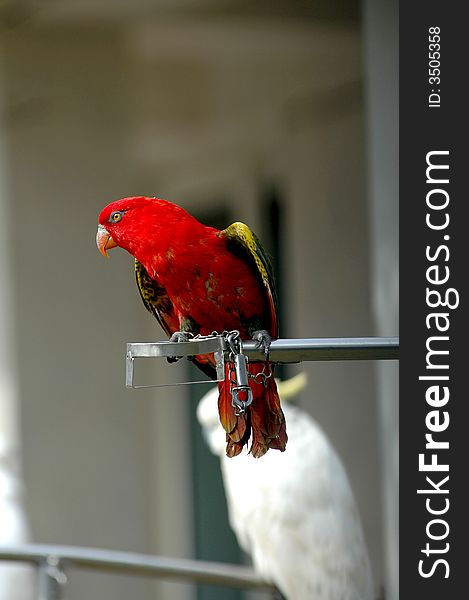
(423, 129)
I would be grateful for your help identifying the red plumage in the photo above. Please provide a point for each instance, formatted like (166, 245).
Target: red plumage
(198, 279)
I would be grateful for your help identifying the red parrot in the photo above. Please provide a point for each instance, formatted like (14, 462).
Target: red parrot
(197, 279)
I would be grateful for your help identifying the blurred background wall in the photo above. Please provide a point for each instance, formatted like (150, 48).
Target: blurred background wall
(266, 112)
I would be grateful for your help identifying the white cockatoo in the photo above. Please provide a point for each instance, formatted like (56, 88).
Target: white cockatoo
(294, 512)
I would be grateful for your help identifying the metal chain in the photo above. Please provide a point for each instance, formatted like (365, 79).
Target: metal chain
(263, 375)
(238, 372)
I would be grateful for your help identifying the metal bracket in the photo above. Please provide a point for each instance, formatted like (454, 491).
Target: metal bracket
(198, 345)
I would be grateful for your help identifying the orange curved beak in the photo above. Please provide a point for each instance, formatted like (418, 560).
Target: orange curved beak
(104, 240)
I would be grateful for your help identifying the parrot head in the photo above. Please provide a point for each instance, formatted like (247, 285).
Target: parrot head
(130, 222)
(120, 220)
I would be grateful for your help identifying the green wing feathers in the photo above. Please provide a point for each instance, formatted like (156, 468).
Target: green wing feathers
(156, 299)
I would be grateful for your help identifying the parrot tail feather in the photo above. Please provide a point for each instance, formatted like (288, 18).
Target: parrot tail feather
(267, 419)
(263, 418)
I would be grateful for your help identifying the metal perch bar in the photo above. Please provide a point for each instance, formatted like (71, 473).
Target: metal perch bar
(325, 349)
(130, 563)
(281, 351)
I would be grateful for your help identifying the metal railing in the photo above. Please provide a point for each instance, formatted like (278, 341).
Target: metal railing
(52, 561)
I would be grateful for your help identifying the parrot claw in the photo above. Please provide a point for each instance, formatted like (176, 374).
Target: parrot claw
(178, 336)
(263, 340)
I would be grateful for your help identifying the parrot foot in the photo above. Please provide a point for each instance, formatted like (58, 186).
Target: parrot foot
(181, 336)
(178, 336)
(263, 340)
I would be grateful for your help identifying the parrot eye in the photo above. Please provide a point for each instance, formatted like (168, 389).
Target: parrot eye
(116, 216)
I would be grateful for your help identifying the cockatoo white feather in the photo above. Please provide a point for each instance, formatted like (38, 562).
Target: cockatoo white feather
(294, 511)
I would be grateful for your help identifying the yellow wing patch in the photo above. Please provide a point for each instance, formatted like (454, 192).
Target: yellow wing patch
(242, 233)
(244, 242)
